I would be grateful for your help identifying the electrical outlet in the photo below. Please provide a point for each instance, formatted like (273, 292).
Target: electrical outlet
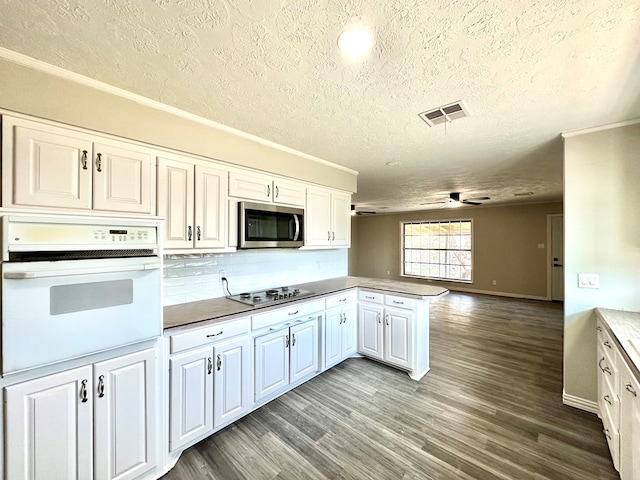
(493, 282)
(221, 274)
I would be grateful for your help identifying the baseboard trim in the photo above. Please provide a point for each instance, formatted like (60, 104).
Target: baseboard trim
(580, 403)
(498, 294)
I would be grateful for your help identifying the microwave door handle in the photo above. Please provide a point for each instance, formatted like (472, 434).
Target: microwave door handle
(297, 221)
(30, 274)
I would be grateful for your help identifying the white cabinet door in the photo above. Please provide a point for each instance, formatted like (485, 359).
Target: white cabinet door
(333, 337)
(370, 330)
(47, 166)
(251, 186)
(304, 350)
(288, 193)
(48, 427)
(397, 337)
(317, 218)
(191, 403)
(210, 207)
(232, 380)
(629, 424)
(340, 220)
(176, 201)
(349, 344)
(271, 363)
(124, 178)
(125, 416)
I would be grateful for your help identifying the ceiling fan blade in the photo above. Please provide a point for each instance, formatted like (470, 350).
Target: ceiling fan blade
(434, 203)
(467, 202)
(363, 212)
(476, 199)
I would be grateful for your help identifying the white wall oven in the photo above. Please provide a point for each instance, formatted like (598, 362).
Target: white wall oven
(76, 286)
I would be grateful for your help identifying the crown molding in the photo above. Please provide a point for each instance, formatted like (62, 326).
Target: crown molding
(573, 133)
(49, 69)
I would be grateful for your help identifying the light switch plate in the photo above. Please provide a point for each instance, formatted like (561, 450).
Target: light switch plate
(588, 280)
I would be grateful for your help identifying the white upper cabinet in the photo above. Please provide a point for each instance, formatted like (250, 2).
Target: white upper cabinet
(327, 218)
(56, 167)
(192, 199)
(266, 189)
(124, 178)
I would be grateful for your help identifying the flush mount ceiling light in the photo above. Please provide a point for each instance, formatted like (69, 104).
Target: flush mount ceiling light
(392, 163)
(356, 41)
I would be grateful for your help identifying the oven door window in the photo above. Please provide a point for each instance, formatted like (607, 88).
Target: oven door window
(80, 297)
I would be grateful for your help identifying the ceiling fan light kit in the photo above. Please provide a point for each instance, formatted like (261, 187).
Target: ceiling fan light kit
(454, 201)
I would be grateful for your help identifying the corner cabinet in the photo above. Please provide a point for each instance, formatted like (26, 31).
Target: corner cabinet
(265, 188)
(48, 166)
(192, 198)
(340, 328)
(327, 218)
(90, 422)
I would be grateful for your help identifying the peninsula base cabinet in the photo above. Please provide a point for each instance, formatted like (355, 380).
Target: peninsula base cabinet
(394, 330)
(96, 421)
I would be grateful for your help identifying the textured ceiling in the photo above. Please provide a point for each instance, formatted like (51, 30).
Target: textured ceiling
(527, 70)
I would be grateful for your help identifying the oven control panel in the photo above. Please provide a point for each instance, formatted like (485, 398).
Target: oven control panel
(57, 235)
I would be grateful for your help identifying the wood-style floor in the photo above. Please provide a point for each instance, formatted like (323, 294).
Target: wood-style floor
(490, 408)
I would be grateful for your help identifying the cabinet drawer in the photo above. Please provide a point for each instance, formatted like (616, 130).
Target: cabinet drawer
(400, 302)
(341, 299)
(371, 297)
(209, 334)
(610, 404)
(608, 370)
(613, 438)
(294, 310)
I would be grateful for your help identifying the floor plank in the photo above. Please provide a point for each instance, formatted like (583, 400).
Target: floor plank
(489, 409)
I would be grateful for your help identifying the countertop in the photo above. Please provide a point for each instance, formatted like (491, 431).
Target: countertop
(625, 327)
(205, 312)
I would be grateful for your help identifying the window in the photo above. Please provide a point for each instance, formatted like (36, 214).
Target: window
(438, 250)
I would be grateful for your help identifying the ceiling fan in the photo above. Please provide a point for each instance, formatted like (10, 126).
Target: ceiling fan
(454, 201)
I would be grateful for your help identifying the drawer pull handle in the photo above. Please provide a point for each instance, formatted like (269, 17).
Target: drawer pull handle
(607, 344)
(379, 318)
(600, 364)
(607, 399)
(343, 300)
(599, 328)
(630, 389)
(219, 362)
(286, 342)
(293, 313)
(83, 160)
(268, 191)
(608, 370)
(99, 162)
(369, 298)
(214, 334)
(209, 366)
(189, 233)
(101, 386)
(198, 233)
(398, 303)
(293, 341)
(606, 432)
(387, 318)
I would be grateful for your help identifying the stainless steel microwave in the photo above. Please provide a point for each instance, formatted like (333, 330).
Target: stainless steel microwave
(269, 226)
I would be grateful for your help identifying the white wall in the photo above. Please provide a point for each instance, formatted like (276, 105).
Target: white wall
(602, 235)
(188, 278)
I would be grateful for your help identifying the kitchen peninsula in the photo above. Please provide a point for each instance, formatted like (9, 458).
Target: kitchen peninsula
(226, 358)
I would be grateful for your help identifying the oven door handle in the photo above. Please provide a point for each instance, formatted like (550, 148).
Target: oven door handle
(30, 274)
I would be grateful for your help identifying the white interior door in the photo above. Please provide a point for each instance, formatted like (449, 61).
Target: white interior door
(557, 257)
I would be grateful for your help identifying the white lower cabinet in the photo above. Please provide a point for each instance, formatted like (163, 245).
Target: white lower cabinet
(285, 356)
(90, 422)
(209, 387)
(339, 334)
(629, 426)
(385, 333)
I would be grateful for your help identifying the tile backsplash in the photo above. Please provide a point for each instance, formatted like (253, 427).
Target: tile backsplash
(192, 277)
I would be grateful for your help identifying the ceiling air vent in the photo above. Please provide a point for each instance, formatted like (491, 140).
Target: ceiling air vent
(445, 113)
